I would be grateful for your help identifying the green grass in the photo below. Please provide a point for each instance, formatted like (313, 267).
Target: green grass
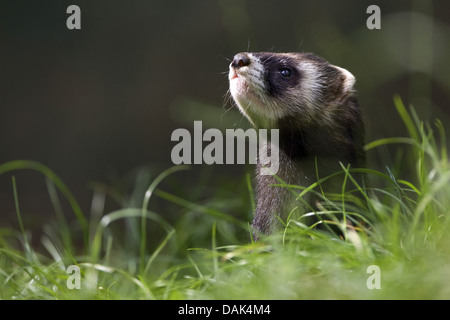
(198, 247)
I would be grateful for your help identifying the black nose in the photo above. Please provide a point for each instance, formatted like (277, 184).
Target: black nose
(240, 60)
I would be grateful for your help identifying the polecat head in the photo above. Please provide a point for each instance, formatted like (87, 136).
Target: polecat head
(268, 87)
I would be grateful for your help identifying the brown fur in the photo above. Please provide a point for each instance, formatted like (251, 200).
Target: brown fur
(319, 122)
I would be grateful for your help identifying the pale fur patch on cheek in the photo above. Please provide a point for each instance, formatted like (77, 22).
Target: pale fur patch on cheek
(255, 74)
(309, 83)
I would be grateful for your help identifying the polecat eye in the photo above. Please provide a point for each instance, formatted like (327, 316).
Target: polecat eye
(285, 72)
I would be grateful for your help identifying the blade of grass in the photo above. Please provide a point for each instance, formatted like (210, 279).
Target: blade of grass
(62, 223)
(49, 174)
(96, 243)
(444, 155)
(19, 216)
(250, 191)
(407, 120)
(385, 141)
(214, 247)
(158, 250)
(147, 196)
(344, 187)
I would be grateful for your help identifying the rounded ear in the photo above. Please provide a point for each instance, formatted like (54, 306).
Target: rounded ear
(349, 80)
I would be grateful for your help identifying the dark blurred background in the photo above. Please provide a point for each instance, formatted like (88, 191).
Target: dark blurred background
(97, 103)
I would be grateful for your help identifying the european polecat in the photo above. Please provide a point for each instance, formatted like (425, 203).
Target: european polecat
(314, 106)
